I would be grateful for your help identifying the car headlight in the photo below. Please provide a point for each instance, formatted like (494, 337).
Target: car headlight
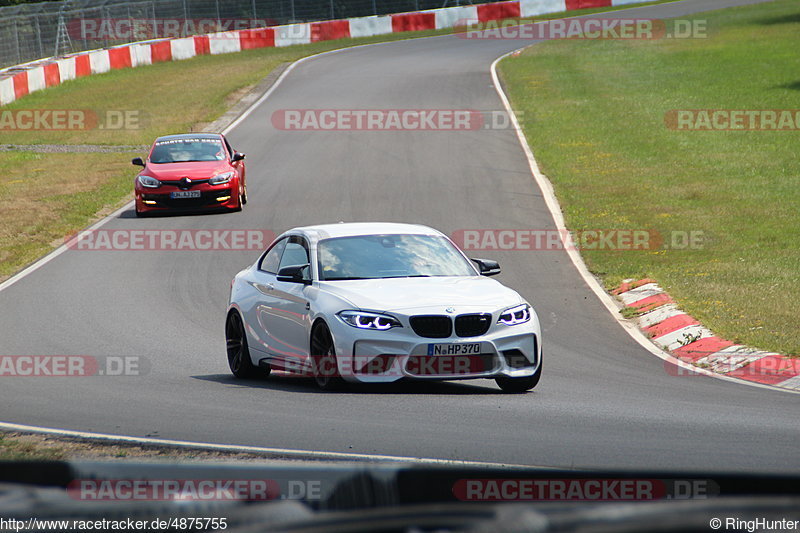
(364, 320)
(147, 181)
(219, 179)
(515, 315)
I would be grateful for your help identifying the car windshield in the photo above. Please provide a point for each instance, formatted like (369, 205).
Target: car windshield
(183, 150)
(389, 256)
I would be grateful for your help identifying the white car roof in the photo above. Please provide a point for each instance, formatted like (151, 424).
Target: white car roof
(350, 229)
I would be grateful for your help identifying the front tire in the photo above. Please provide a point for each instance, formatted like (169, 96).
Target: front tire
(323, 354)
(520, 385)
(241, 196)
(238, 353)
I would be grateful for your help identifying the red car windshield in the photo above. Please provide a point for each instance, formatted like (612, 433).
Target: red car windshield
(183, 150)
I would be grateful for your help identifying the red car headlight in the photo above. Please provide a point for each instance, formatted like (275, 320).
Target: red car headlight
(219, 179)
(147, 181)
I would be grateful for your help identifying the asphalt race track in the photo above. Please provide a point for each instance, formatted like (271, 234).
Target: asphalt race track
(603, 401)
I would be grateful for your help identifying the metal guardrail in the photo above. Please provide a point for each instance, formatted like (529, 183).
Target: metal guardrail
(34, 31)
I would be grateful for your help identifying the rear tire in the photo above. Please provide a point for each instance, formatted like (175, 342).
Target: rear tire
(325, 369)
(238, 353)
(519, 385)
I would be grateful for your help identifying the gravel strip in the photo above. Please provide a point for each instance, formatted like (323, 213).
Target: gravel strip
(39, 446)
(71, 148)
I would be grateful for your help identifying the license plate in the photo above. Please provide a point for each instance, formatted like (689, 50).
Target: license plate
(184, 194)
(460, 348)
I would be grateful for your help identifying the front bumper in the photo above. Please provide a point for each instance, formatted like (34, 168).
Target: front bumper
(386, 356)
(210, 198)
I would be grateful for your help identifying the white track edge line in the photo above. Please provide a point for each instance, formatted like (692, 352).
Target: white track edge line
(288, 453)
(60, 250)
(611, 305)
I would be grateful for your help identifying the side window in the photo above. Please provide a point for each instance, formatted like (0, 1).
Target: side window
(294, 254)
(228, 146)
(270, 262)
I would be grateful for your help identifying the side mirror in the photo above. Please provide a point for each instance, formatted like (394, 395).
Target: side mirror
(137, 161)
(294, 274)
(487, 267)
(237, 156)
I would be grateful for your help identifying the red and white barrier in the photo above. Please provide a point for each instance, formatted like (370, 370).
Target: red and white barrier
(7, 90)
(36, 79)
(16, 82)
(531, 8)
(100, 61)
(369, 26)
(452, 16)
(292, 34)
(140, 54)
(185, 48)
(223, 42)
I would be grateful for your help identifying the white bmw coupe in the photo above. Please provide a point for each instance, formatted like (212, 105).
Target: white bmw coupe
(377, 302)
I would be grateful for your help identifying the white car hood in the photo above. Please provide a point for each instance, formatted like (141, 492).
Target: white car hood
(435, 293)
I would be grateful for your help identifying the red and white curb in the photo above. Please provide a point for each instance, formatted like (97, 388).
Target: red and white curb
(687, 340)
(20, 80)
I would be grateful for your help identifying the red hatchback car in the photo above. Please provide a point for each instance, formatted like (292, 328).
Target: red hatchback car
(190, 172)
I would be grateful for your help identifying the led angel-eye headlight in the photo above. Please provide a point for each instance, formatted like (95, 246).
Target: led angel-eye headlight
(365, 320)
(515, 315)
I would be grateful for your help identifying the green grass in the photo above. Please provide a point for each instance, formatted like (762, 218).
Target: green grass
(594, 115)
(15, 449)
(37, 213)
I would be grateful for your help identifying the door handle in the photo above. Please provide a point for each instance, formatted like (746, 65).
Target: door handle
(264, 287)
